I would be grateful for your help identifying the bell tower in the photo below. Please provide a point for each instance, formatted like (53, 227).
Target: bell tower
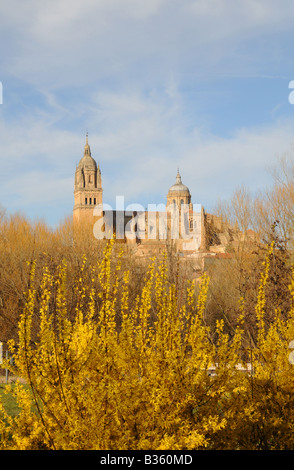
(87, 186)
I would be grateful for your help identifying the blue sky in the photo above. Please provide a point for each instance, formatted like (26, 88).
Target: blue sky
(197, 84)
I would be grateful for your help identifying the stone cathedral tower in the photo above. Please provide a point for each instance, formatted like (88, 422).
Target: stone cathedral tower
(87, 187)
(179, 194)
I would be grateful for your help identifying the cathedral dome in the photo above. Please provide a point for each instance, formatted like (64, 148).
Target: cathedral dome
(87, 161)
(179, 186)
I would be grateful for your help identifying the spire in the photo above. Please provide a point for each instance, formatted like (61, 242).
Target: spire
(87, 161)
(87, 146)
(178, 178)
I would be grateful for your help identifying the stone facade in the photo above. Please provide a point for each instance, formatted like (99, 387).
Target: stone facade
(191, 233)
(87, 187)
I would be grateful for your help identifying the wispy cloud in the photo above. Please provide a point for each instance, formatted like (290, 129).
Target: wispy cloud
(69, 42)
(152, 83)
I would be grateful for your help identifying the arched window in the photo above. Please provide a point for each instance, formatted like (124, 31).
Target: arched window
(86, 200)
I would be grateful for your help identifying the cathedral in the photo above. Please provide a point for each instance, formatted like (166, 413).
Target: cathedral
(190, 231)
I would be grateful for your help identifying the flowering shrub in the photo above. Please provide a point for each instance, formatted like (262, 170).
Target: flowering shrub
(141, 379)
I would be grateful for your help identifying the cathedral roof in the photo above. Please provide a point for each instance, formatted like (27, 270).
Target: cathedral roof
(179, 186)
(87, 161)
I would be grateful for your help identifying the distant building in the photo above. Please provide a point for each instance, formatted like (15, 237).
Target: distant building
(88, 187)
(190, 231)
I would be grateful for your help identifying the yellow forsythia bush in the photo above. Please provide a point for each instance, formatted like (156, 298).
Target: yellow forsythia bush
(144, 382)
